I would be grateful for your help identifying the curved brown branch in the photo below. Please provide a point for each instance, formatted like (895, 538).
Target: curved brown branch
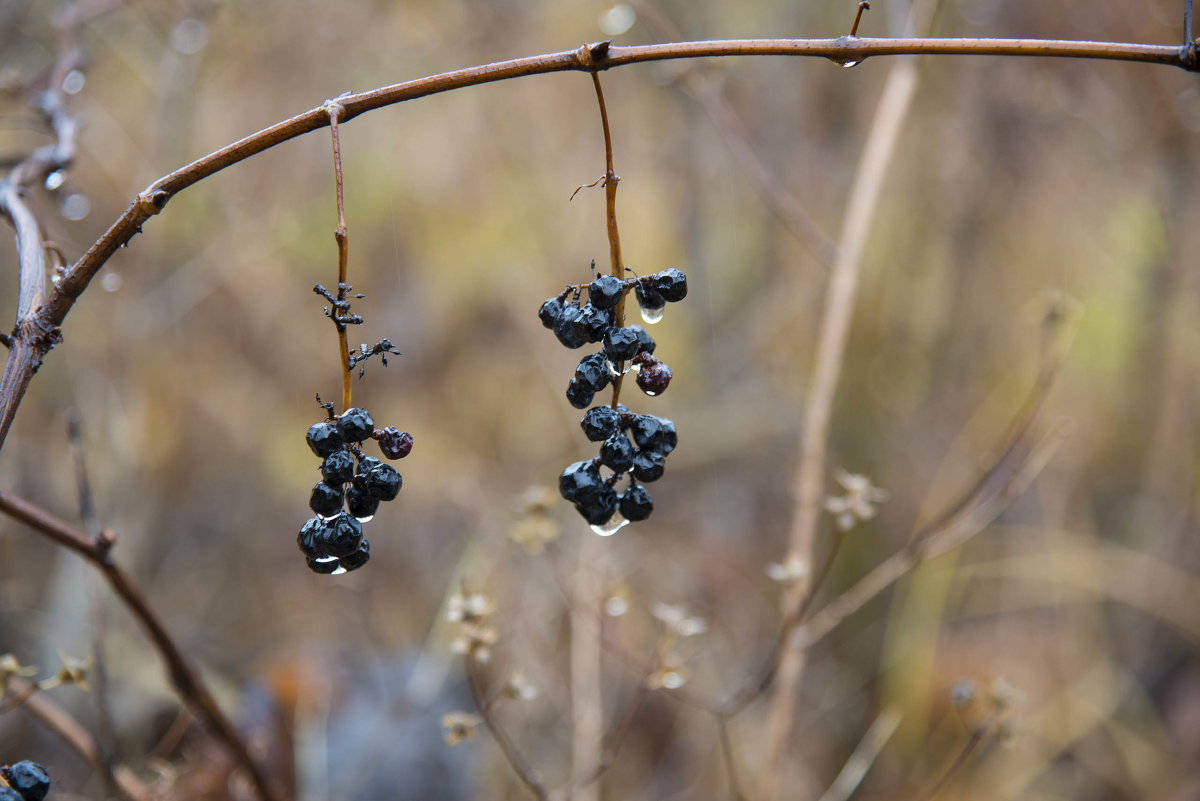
(187, 683)
(588, 58)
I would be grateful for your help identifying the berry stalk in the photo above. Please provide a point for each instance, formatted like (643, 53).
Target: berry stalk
(343, 243)
(611, 179)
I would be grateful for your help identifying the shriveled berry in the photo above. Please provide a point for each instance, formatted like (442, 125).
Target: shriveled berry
(324, 565)
(579, 394)
(599, 423)
(648, 466)
(592, 372)
(671, 284)
(9, 794)
(341, 535)
(580, 481)
(383, 482)
(324, 439)
(621, 344)
(606, 291)
(355, 425)
(394, 444)
(645, 341)
(597, 322)
(654, 377)
(360, 503)
(311, 536)
(338, 467)
(29, 779)
(367, 464)
(647, 431)
(359, 558)
(617, 453)
(648, 298)
(550, 312)
(326, 499)
(635, 503)
(570, 328)
(598, 508)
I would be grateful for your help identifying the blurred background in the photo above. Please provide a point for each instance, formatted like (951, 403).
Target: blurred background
(193, 360)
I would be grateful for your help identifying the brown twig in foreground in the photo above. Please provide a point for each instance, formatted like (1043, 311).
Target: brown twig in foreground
(97, 551)
(508, 748)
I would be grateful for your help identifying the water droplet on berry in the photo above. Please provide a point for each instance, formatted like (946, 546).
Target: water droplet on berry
(612, 369)
(651, 394)
(340, 570)
(652, 316)
(614, 524)
(366, 519)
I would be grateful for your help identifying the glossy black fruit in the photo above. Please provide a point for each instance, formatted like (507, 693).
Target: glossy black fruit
(592, 372)
(359, 558)
(621, 344)
(605, 291)
(645, 341)
(340, 535)
(654, 377)
(9, 794)
(635, 504)
(326, 499)
(550, 312)
(596, 321)
(324, 439)
(671, 284)
(598, 508)
(360, 503)
(29, 779)
(599, 423)
(570, 328)
(580, 481)
(355, 425)
(311, 535)
(648, 298)
(648, 466)
(338, 467)
(647, 431)
(323, 565)
(617, 453)
(579, 394)
(669, 438)
(382, 482)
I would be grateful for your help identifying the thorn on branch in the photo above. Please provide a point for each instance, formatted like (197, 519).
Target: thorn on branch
(862, 6)
(381, 349)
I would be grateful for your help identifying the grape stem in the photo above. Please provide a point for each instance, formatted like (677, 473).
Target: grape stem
(343, 243)
(611, 179)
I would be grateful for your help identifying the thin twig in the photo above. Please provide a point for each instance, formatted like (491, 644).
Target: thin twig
(727, 755)
(343, 244)
(508, 748)
(856, 767)
(70, 731)
(192, 691)
(960, 759)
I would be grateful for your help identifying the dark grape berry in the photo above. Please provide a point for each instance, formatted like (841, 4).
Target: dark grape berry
(579, 394)
(648, 466)
(311, 536)
(635, 504)
(669, 438)
(550, 312)
(382, 482)
(645, 342)
(9, 794)
(367, 464)
(617, 453)
(621, 344)
(647, 431)
(359, 558)
(580, 481)
(338, 467)
(648, 298)
(326, 499)
(596, 321)
(570, 328)
(394, 444)
(654, 377)
(671, 284)
(340, 535)
(29, 779)
(323, 565)
(599, 423)
(360, 503)
(598, 508)
(605, 292)
(324, 439)
(592, 372)
(355, 425)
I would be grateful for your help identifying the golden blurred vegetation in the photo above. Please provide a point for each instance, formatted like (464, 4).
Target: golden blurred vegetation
(193, 360)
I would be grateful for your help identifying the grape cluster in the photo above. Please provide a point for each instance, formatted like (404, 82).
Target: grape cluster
(24, 781)
(633, 444)
(332, 541)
